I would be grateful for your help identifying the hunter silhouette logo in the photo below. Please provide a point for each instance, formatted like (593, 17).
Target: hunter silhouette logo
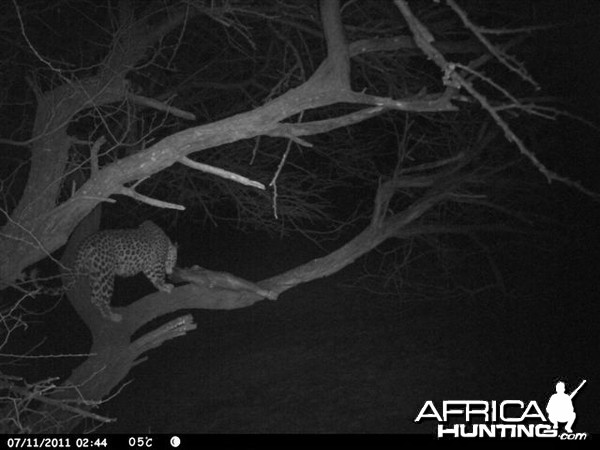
(560, 407)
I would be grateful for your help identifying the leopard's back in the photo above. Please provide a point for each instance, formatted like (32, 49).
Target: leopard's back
(122, 252)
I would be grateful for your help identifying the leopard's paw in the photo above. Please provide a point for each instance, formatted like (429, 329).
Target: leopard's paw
(167, 287)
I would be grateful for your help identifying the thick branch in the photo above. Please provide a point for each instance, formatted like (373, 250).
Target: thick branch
(337, 48)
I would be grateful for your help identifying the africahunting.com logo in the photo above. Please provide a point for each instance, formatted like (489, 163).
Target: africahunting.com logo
(505, 419)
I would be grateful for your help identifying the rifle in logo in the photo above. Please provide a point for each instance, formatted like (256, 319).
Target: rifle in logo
(572, 394)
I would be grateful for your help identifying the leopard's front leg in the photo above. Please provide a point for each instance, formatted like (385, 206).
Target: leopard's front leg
(157, 278)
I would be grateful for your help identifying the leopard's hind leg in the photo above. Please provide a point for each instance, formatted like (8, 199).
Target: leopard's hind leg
(102, 286)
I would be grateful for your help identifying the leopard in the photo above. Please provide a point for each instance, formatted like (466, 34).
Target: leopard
(124, 252)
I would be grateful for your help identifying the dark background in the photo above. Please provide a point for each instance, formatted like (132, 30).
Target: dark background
(329, 356)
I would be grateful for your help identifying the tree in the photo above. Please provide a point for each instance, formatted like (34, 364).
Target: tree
(114, 114)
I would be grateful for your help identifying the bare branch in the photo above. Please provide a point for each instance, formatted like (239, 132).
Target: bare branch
(502, 57)
(160, 106)
(424, 40)
(221, 173)
(511, 136)
(170, 330)
(396, 43)
(94, 154)
(58, 403)
(148, 200)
